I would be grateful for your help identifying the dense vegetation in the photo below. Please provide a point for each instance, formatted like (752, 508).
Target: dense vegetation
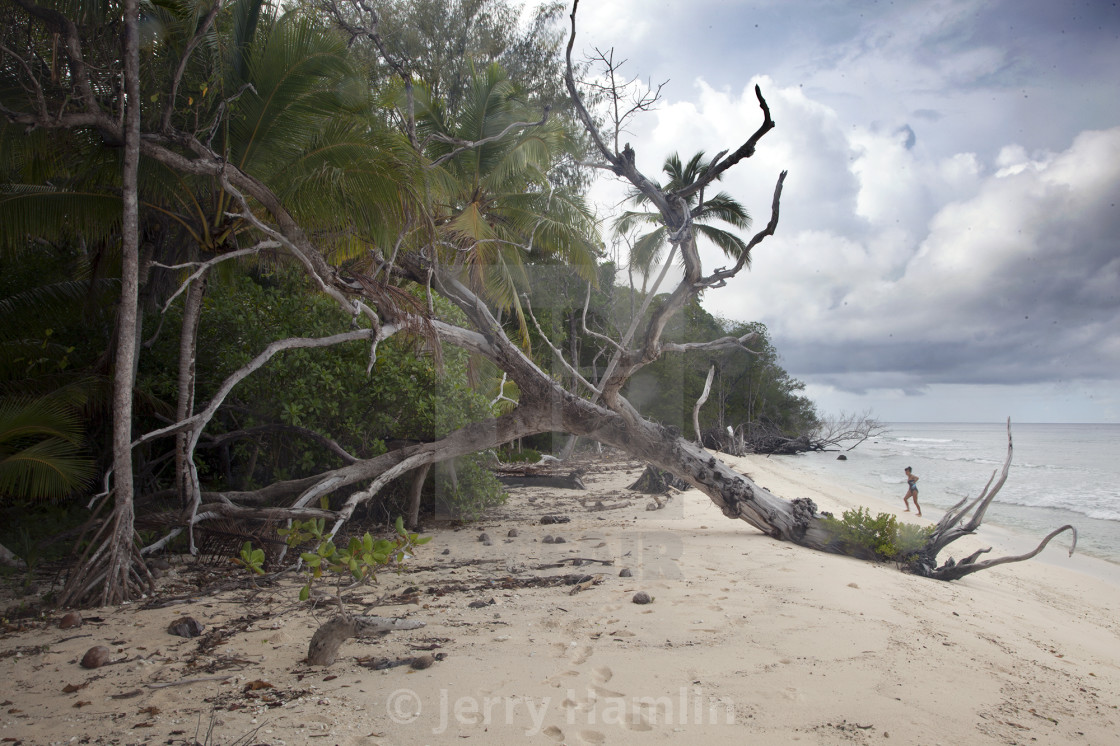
(282, 95)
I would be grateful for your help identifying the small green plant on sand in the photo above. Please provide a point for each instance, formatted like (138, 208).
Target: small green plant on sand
(880, 537)
(359, 560)
(251, 559)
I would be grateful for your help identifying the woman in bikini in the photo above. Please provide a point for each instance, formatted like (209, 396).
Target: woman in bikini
(912, 491)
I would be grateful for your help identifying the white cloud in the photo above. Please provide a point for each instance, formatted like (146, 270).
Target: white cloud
(950, 213)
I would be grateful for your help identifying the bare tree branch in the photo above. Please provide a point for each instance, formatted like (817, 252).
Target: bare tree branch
(330, 444)
(204, 267)
(465, 145)
(196, 39)
(723, 343)
(720, 276)
(699, 403)
(969, 565)
(746, 150)
(575, 374)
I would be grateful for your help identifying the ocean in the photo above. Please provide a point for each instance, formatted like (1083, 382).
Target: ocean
(1059, 474)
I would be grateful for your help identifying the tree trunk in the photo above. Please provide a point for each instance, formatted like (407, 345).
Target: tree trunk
(188, 349)
(112, 565)
(416, 491)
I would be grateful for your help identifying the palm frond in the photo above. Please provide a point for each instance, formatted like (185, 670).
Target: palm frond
(726, 208)
(46, 470)
(729, 243)
(28, 211)
(40, 455)
(630, 219)
(645, 254)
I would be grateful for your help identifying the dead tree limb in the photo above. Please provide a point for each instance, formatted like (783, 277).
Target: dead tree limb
(953, 525)
(700, 402)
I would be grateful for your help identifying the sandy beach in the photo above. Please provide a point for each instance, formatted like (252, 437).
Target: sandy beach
(747, 640)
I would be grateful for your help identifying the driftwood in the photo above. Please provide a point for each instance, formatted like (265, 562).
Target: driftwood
(327, 639)
(953, 526)
(529, 479)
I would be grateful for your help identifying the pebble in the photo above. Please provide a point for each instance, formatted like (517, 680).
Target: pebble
(484, 538)
(512, 533)
(95, 657)
(641, 597)
(548, 540)
(625, 573)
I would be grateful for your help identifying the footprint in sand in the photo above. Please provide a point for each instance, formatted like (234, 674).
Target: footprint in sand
(579, 653)
(602, 674)
(659, 710)
(602, 691)
(571, 704)
(591, 737)
(558, 680)
(554, 733)
(637, 722)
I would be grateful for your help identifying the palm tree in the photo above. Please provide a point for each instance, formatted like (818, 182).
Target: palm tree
(277, 96)
(646, 252)
(494, 207)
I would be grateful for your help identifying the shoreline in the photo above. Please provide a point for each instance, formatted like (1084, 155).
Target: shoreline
(1004, 540)
(746, 639)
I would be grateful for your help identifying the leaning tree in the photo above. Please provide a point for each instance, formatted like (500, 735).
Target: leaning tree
(371, 295)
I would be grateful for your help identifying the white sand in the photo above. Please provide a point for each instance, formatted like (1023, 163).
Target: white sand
(748, 640)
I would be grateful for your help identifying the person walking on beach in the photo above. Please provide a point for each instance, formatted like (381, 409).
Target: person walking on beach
(912, 491)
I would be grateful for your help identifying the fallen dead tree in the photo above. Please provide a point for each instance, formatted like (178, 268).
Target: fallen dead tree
(382, 301)
(654, 481)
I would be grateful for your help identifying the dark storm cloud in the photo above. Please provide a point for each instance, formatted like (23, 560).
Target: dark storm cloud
(950, 218)
(1019, 285)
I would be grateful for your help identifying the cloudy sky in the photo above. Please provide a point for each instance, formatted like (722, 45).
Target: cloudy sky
(949, 245)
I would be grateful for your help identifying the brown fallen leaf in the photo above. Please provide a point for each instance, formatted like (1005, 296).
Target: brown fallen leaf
(71, 688)
(149, 710)
(82, 703)
(253, 686)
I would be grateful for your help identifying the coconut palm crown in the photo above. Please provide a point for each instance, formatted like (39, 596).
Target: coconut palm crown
(646, 252)
(495, 208)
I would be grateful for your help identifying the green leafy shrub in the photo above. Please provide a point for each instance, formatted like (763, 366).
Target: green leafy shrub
(911, 538)
(879, 537)
(360, 558)
(525, 456)
(466, 492)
